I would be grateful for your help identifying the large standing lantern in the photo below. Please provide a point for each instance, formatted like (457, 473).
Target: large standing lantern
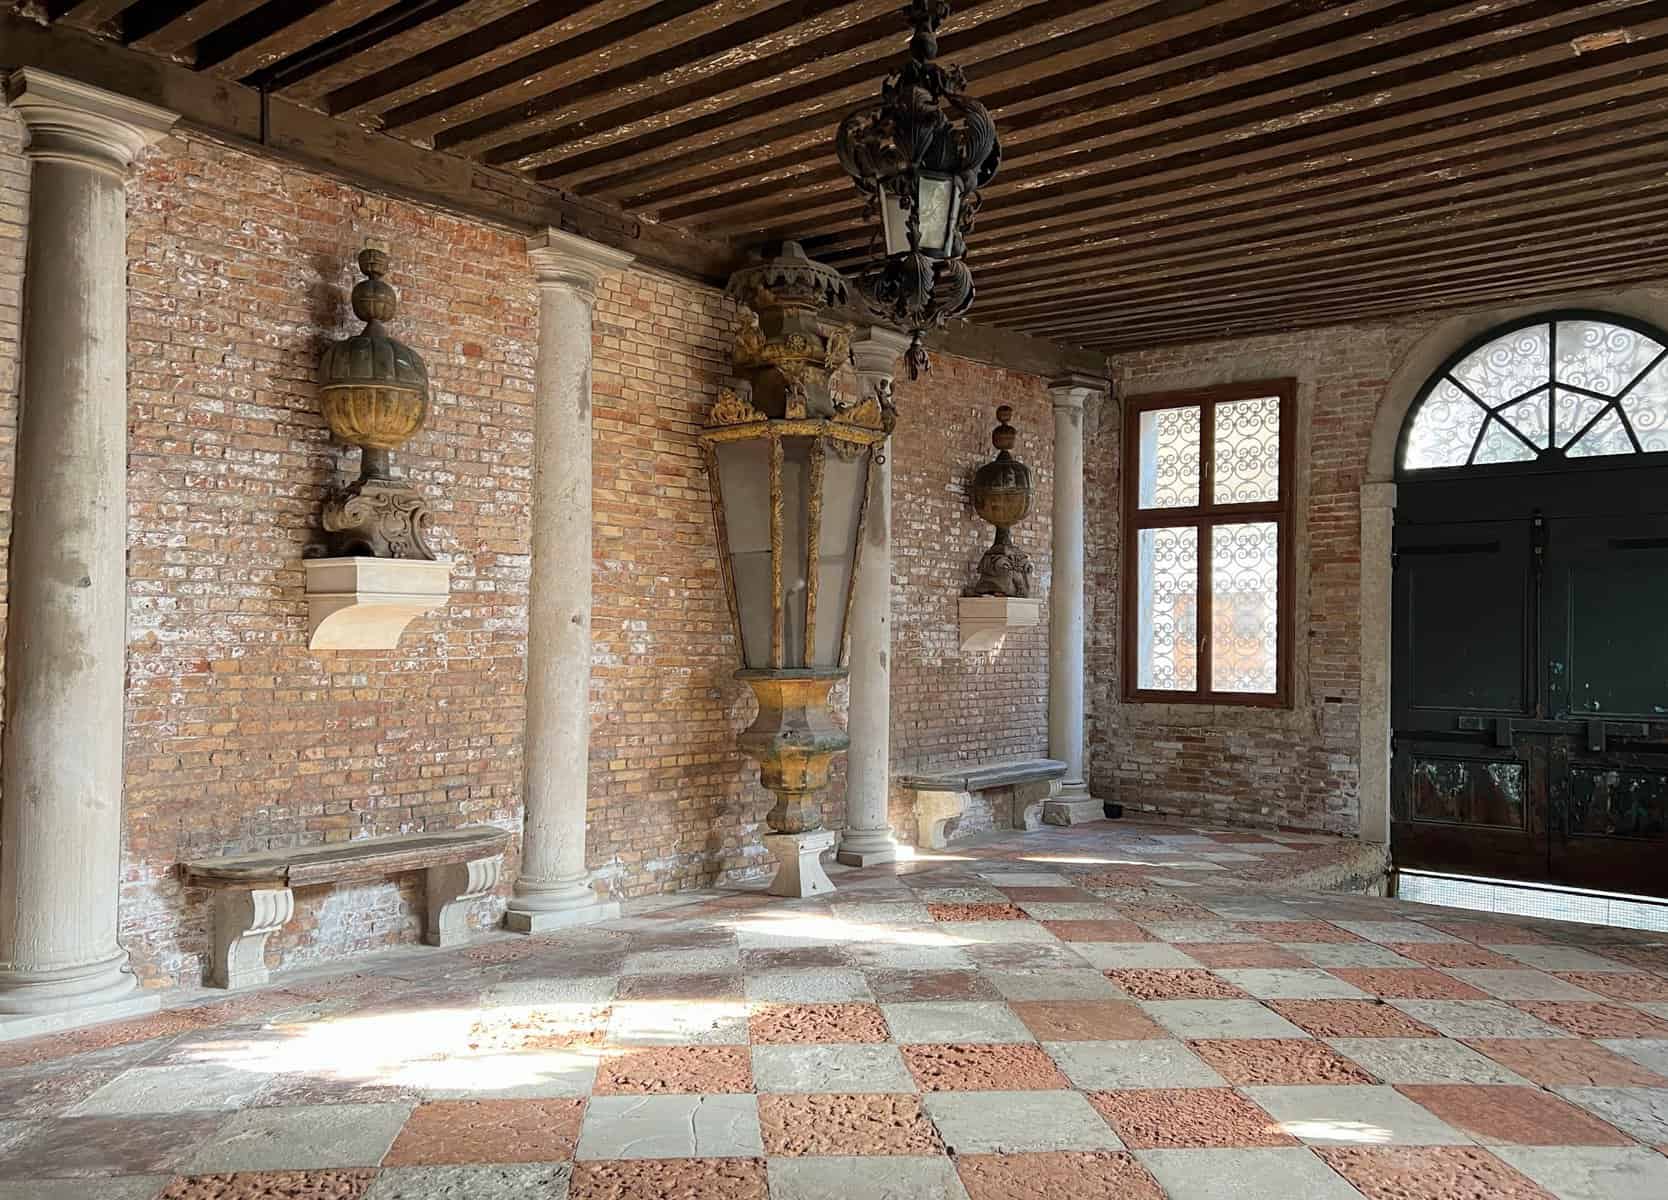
(789, 454)
(920, 157)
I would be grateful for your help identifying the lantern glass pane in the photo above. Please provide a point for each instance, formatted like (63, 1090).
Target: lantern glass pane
(938, 214)
(796, 503)
(843, 486)
(744, 480)
(894, 223)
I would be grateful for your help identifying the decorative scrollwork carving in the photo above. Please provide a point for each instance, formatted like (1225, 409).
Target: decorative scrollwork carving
(731, 408)
(378, 517)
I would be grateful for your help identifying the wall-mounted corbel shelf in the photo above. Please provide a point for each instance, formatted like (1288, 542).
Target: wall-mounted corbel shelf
(365, 603)
(986, 620)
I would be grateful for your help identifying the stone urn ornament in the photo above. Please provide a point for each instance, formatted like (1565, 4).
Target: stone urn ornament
(375, 395)
(373, 572)
(1002, 496)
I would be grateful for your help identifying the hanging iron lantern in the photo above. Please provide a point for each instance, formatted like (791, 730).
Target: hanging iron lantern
(920, 157)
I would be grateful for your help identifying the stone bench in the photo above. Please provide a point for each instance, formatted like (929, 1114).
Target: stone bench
(942, 796)
(253, 896)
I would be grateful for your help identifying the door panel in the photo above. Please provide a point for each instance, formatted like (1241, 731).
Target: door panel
(1468, 808)
(1607, 662)
(1463, 596)
(1530, 691)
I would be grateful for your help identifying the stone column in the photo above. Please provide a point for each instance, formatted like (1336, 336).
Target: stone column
(61, 824)
(1065, 603)
(867, 839)
(554, 887)
(1378, 529)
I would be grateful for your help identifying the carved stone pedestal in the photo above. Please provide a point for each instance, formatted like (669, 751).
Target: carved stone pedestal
(800, 872)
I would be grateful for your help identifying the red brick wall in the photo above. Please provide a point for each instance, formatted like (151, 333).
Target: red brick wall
(949, 706)
(1236, 764)
(239, 738)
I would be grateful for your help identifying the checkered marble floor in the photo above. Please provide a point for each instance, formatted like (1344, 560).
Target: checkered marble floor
(1109, 1011)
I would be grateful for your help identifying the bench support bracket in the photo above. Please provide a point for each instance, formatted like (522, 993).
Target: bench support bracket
(452, 888)
(243, 919)
(933, 813)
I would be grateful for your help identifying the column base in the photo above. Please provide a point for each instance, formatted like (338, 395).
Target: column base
(13, 1026)
(1066, 811)
(543, 921)
(867, 848)
(800, 855)
(30, 993)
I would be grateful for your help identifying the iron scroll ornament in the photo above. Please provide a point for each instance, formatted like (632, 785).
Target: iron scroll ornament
(925, 139)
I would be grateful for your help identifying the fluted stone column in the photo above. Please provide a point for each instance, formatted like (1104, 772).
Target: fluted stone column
(61, 792)
(867, 839)
(1065, 602)
(553, 889)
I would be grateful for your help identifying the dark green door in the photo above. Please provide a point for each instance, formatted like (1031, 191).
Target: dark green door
(1530, 680)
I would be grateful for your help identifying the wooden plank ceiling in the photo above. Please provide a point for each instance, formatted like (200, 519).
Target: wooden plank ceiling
(1173, 170)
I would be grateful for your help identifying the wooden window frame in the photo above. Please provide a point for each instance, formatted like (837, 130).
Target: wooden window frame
(1204, 517)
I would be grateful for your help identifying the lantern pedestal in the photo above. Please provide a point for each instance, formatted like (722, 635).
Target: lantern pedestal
(794, 739)
(799, 855)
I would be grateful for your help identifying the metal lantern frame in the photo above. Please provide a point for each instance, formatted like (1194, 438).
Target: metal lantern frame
(925, 131)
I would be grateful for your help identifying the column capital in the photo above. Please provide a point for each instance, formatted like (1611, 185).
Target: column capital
(572, 263)
(1074, 390)
(876, 350)
(74, 122)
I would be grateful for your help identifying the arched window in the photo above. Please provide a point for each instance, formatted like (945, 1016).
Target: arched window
(1545, 390)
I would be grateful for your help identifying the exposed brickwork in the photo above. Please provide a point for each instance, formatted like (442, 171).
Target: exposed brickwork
(947, 706)
(1254, 766)
(239, 738)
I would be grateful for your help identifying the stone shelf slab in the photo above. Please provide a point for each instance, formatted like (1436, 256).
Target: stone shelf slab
(366, 603)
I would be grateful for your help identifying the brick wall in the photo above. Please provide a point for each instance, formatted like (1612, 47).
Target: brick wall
(948, 706)
(1244, 765)
(239, 738)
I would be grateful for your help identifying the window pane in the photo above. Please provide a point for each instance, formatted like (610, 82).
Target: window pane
(1508, 366)
(1646, 407)
(1602, 357)
(1444, 429)
(1168, 455)
(1167, 609)
(1608, 436)
(1245, 607)
(1247, 451)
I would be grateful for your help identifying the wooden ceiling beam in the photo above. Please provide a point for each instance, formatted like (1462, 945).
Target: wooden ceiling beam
(1516, 291)
(993, 47)
(171, 28)
(273, 32)
(514, 99)
(689, 70)
(479, 47)
(1213, 251)
(307, 74)
(1457, 279)
(1530, 67)
(1009, 78)
(1317, 275)
(1415, 123)
(95, 16)
(1149, 99)
(1379, 161)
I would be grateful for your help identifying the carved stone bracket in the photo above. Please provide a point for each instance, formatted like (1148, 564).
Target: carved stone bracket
(381, 518)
